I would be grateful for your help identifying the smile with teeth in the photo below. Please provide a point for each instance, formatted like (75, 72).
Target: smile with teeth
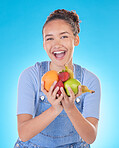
(59, 54)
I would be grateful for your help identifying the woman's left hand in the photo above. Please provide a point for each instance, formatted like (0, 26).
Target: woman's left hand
(68, 102)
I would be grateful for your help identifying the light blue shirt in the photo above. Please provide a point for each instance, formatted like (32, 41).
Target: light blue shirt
(32, 101)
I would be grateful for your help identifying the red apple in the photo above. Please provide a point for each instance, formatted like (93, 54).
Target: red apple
(60, 84)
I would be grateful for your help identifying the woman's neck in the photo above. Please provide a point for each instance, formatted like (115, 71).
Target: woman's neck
(59, 68)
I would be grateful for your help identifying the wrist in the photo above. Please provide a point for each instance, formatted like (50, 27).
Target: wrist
(55, 111)
(70, 109)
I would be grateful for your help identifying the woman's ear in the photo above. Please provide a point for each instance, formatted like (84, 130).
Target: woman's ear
(76, 40)
(43, 45)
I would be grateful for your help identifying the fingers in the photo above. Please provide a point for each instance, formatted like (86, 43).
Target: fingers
(42, 88)
(79, 91)
(59, 99)
(52, 87)
(63, 92)
(55, 92)
(57, 95)
(66, 98)
(72, 95)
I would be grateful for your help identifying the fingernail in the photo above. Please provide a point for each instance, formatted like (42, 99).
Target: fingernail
(55, 82)
(42, 82)
(69, 88)
(61, 94)
(79, 86)
(61, 88)
(57, 87)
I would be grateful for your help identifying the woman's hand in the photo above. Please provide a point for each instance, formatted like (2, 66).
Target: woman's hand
(53, 98)
(68, 102)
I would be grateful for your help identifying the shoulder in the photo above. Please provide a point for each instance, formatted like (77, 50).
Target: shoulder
(32, 72)
(30, 76)
(89, 78)
(88, 74)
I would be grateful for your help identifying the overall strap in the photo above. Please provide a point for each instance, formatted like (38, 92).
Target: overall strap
(43, 69)
(78, 73)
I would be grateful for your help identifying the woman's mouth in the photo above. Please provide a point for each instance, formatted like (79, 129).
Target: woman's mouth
(59, 54)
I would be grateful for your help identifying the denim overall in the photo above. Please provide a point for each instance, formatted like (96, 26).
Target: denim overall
(60, 133)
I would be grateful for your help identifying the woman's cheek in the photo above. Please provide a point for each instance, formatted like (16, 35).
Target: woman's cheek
(48, 47)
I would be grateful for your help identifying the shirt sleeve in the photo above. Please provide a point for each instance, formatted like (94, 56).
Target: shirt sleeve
(26, 93)
(91, 107)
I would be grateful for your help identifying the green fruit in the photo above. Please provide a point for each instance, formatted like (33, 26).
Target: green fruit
(73, 84)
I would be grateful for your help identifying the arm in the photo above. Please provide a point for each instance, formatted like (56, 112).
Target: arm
(29, 127)
(86, 127)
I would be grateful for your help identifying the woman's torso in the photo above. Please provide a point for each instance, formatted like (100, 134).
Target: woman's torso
(60, 131)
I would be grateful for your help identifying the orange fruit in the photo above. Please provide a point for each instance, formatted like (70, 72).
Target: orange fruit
(49, 78)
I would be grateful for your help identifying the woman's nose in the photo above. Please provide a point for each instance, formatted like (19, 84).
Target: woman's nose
(57, 43)
(56, 40)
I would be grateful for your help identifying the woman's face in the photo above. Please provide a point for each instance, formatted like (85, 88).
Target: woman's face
(59, 41)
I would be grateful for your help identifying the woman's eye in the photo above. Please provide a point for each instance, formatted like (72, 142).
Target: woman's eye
(49, 39)
(64, 37)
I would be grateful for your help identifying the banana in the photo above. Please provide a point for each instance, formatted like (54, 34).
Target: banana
(85, 89)
(69, 71)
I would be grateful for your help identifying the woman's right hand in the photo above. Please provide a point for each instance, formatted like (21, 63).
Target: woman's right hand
(53, 98)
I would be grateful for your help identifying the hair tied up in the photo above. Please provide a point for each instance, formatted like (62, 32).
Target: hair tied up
(69, 16)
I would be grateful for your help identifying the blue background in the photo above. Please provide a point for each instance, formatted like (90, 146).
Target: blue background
(21, 46)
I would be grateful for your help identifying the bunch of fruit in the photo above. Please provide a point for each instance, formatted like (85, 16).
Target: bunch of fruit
(64, 79)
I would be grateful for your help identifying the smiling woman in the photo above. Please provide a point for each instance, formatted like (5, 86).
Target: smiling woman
(59, 43)
(45, 119)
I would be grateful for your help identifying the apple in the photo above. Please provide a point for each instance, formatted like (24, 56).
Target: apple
(73, 84)
(59, 84)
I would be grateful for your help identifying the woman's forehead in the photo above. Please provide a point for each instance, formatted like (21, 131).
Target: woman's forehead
(57, 26)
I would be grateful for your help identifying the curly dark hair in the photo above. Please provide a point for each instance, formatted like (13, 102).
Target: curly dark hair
(69, 16)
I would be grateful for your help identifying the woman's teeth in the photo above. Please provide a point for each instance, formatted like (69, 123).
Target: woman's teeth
(59, 54)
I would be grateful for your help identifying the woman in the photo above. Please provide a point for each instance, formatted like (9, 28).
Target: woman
(45, 119)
